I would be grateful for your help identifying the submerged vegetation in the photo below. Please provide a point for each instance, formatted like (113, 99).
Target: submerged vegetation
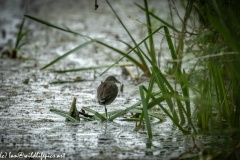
(207, 92)
(15, 49)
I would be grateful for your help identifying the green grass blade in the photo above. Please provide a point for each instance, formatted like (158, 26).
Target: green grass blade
(55, 26)
(171, 47)
(145, 112)
(180, 77)
(156, 17)
(161, 118)
(153, 103)
(129, 34)
(180, 111)
(166, 94)
(86, 118)
(20, 38)
(151, 42)
(146, 46)
(131, 50)
(168, 114)
(22, 44)
(170, 43)
(128, 45)
(98, 115)
(149, 60)
(66, 54)
(123, 54)
(63, 114)
(223, 95)
(150, 87)
(185, 90)
(120, 113)
(216, 84)
(159, 73)
(90, 68)
(19, 33)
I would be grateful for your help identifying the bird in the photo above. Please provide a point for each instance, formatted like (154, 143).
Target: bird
(107, 91)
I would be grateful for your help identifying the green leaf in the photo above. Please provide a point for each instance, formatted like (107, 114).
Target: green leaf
(132, 49)
(98, 115)
(164, 22)
(67, 54)
(54, 26)
(145, 112)
(122, 112)
(129, 34)
(63, 114)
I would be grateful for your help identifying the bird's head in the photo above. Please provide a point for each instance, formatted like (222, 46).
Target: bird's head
(111, 79)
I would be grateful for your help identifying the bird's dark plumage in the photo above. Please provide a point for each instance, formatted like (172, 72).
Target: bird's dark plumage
(107, 91)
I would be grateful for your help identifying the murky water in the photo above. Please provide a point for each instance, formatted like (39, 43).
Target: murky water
(26, 94)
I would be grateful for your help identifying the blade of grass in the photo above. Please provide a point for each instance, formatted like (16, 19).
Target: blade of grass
(86, 118)
(149, 113)
(151, 42)
(66, 54)
(120, 113)
(223, 95)
(91, 68)
(180, 111)
(146, 46)
(150, 87)
(128, 45)
(156, 17)
(55, 26)
(168, 114)
(149, 60)
(63, 114)
(145, 112)
(165, 93)
(180, 77)
(123, 54)
(153, 103)
(19, 36)
(171, 47)
(149, 106)
(22, 44)
(98, 115)
(131, 50)
(139, 54)
(220, 117)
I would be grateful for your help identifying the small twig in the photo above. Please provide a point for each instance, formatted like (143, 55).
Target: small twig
(162, 33)
(96, 5)
(174, 7)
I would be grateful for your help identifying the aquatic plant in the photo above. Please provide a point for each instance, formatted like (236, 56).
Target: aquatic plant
(213, 80)
(13, 50)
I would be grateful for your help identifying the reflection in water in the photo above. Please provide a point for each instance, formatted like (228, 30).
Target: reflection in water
(106, 140)
(148, 147)
(27, 125)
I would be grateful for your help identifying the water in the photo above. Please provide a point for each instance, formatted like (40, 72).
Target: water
(27, 126)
